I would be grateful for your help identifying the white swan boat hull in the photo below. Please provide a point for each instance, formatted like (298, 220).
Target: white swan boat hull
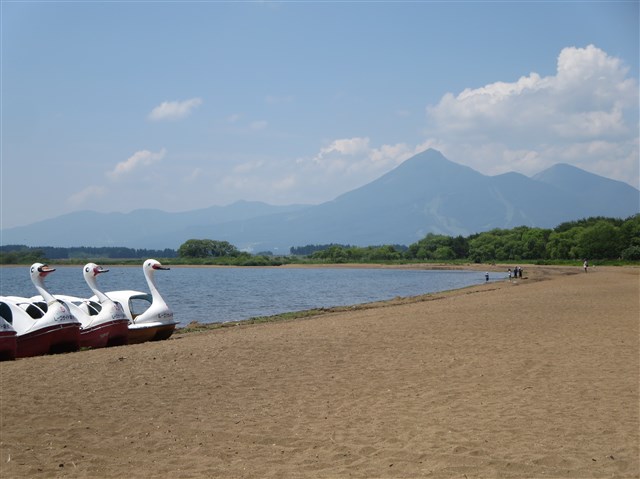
(101, 326)
(148, 320)
(41, 328)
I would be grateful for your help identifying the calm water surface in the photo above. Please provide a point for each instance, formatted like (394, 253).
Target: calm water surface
(212, 295)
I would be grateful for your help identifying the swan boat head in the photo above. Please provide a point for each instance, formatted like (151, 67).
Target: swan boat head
(145, 308)
(27, 315)
(90, 273)
(104, 306)
(97, 310)
(39, 272)
(52, 308)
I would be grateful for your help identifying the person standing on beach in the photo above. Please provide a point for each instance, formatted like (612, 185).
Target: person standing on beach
(486, 276)
(585, 265)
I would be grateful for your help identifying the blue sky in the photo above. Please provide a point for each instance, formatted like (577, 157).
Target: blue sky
(115, 106)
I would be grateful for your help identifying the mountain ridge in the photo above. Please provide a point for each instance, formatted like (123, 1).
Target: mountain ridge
(425, 194)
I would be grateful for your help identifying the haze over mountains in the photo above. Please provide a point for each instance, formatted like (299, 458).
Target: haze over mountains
(425, 194)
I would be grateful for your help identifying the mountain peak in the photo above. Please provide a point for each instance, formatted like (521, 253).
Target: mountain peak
(429, 154)
(428, 157)
(563, 175)
(427, 193)
(429, 162)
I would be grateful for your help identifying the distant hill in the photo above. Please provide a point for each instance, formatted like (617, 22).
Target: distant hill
(134, 229)
(427, 193)
(600, 195)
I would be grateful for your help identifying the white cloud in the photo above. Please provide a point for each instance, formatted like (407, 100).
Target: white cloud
(174, 110)
(286, 183)
(81, 197)
(346, 146)
(350, 155)
(258, 125)
(136, 161)
(342, 165)
(586, 114)
(195, 174)
(391, 154)
(248, 166)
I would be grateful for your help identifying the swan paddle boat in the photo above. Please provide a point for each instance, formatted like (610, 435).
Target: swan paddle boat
(42, 327)
(150, 318)
(103, 322)
(8, 340)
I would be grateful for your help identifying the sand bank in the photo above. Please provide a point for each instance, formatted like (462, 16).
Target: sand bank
(525, 379)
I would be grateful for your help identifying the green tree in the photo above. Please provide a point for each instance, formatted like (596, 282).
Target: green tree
(483, 247)
(222, 248)
(632, 253)
(460, 246)
(205, 248)
(630, 231)
(193, 248)
(427, 247)
(602, 241)
(335, 254)
(384, 253)
(563, 245)
(25, 256)
(534, 241)
(444, 253)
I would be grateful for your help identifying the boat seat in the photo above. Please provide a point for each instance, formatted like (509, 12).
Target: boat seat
(37, 310)
(94, 308)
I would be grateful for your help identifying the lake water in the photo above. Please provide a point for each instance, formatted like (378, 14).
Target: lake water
(214, 295)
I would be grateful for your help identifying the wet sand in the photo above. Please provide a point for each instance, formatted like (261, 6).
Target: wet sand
(537, 377)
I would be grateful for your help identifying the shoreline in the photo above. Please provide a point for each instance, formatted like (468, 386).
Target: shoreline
(540, 273)
(523, 379)
(425, 266)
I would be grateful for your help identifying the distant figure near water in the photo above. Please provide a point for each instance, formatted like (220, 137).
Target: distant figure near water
(486, 276)
(585, 265)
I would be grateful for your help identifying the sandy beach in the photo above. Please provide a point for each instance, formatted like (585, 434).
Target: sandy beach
(532, 378)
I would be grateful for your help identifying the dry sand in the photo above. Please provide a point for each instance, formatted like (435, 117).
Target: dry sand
(527, 379)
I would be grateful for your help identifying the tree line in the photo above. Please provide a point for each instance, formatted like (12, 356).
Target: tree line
(595, 238)
(309, 249)
(591, 238)
(21, 254)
